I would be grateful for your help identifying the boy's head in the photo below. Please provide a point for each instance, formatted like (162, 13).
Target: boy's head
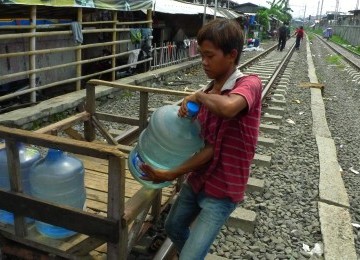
(224, 34)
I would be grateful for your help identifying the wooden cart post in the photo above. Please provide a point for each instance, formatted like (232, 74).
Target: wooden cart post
(12, 153)
(89, 129)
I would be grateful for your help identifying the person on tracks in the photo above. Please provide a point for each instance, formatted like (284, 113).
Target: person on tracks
(217, 175)
(299, 36)
(283, 35)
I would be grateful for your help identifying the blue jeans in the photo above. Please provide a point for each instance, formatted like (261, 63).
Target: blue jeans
(209, 214)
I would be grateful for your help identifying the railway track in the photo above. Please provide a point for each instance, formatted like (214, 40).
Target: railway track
(275, 69)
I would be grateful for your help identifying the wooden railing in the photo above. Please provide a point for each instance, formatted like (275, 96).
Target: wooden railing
(37, 32)
(124, 220)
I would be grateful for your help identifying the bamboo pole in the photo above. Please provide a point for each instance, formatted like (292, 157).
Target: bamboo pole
(44, 34)
(47, 51)
(113, 47)
(33, 35)
(17, 74)
(79, 53)
(32, 58)
(12, 95)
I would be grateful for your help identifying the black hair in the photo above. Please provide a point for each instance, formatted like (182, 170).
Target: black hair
(224, 34)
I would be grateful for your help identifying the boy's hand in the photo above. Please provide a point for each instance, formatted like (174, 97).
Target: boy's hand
(156, 175)
(183, 109)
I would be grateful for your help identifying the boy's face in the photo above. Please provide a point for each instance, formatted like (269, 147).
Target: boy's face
(214, 62)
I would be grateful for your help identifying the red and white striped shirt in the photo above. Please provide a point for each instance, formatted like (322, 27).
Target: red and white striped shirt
(234, 141)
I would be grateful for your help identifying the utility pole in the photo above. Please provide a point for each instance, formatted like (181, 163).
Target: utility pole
(317, 11)
(204, 17)
(336, 11)
(304, 16)
(215, 9)
(322, 2)
(357, 5)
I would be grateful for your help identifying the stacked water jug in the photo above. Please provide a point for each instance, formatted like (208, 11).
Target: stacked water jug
(28, 157)
(57, 178)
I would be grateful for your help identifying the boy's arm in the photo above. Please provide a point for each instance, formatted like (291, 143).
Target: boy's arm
(226, 106)
(197, 161)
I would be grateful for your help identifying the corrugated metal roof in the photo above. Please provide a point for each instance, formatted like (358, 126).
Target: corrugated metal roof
(178, 7)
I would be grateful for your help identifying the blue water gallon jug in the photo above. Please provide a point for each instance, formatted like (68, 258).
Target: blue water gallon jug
(167, 142)
(58, 178)
(28, 156)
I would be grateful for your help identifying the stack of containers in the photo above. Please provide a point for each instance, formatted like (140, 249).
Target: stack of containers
(27, 156)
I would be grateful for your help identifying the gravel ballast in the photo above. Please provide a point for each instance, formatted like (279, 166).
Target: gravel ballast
(287, 212)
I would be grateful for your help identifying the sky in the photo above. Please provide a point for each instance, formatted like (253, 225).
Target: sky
(309, 7)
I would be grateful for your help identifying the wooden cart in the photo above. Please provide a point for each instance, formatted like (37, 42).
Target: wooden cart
(118, 208)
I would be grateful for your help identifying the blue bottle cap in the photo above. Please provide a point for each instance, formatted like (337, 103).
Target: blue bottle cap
(54, 154)
(193, 108)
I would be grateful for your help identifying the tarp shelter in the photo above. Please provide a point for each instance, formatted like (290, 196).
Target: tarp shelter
(177, 7)
(119, 5)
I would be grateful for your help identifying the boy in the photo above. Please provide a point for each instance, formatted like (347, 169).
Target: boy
(229, 117)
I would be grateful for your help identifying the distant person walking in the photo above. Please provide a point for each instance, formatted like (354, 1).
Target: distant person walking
(283, 32)
(299, 36)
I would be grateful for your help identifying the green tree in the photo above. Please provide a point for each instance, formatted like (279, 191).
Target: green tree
(279, 9)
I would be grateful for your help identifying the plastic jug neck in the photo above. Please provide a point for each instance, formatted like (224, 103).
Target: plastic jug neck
(54, 154)
(192, 108)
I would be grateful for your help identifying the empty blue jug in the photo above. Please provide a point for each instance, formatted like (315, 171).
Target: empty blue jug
(58, 178)
(167, 142)
(28, 157)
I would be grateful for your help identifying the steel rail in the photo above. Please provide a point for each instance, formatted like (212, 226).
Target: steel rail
(167, 250)
(347, 59)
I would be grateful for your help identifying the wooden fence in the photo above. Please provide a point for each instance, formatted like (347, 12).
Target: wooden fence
(32, 35)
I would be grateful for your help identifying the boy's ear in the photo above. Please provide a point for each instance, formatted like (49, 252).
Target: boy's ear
(234, 53)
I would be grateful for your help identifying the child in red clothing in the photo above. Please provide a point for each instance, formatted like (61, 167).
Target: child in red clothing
(229, 117)
(299, 36)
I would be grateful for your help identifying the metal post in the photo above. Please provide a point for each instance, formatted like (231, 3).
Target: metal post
(215, 9)
(204, 17)
(317, 11)
(304, 16)
(322, 2)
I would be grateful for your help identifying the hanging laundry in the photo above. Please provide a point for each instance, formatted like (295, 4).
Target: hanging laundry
(135, 35)
(77, 32)
(146, 33)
